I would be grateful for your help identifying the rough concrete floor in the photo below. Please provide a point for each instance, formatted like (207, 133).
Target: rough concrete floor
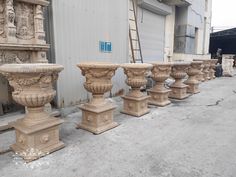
(191, 138)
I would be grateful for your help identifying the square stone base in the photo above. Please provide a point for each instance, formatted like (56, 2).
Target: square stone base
(135, 106)
(97, 121)
(193, 88)
(159, 98)
(38, 140)
(179, 93)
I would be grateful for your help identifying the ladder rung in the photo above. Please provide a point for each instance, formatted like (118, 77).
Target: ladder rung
(131, 9)
(132, 19)
(134, 39)
(133, 29)
(136, 49)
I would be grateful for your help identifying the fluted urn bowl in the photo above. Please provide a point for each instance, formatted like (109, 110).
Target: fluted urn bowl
(32, 83)
(179, 69)
(98, 76)
(136, 73)
(195, 68)
(161, 71)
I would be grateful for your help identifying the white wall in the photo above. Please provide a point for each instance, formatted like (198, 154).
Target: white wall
(79, 25)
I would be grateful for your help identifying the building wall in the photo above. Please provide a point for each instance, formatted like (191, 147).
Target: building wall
(79, 25)
(192, 29)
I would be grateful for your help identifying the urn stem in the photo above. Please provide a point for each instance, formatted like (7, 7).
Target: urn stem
(35, 116)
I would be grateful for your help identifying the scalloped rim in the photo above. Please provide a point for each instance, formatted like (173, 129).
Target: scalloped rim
(136, 65)
(30, 68)
(97, 65)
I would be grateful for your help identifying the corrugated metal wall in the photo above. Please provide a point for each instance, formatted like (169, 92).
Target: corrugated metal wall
(79, 25)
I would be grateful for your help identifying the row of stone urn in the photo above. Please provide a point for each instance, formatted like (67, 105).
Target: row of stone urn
(37, 134)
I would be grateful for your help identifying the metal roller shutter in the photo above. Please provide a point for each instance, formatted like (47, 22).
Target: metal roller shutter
(152, 35)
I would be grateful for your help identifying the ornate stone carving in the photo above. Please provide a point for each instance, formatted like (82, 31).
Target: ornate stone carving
(159, 94)
(24, 20)
(192, 82)
(39, 27)
(227, 65)
(32, 85)
(135, 102)
(97, 115)
(179, 89)
(2, 19)
(7, 56)
(10, 19)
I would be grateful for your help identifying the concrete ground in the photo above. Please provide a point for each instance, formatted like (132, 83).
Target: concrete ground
(191, 138)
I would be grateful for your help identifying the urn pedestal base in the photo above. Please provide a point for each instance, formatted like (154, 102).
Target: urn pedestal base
(97, 119)
(179, 92)
(36, 141)
(193, 88)
(159, 98)
(135, 106)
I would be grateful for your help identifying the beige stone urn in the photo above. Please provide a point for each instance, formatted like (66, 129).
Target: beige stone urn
(159, 93)
(37, 134)
(200, 76)
(178, 88)
(192, 81)
(212, 68)
(206, 69)
(97, 115)
(135, 102)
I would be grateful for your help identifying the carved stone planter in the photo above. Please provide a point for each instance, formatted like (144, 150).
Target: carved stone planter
(200, 76)
(192, 82)
(206, 68)
(212, 68)
(37, 134)
(159, 94)
(97, 115)
(135, 102)
(179, 89)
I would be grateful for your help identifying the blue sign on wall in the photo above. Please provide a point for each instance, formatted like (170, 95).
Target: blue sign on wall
(105, 46)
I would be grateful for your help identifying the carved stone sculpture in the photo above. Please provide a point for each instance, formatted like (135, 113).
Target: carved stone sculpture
(97, 115)
(178, 88)
(227, 65)
(22, 35)
(37, 134)
(159, 93)
(135, 102)
(212, 68)
(192, 81)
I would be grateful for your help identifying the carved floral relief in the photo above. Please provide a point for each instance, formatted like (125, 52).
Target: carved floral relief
(24, 20)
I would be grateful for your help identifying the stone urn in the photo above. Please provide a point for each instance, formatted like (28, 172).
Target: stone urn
(212, 68)
(97, 114)
(135, 102)
(159, 93)
(192, 81)
(200, 76)
(37, 133)
(206, 68)
(178, 88)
